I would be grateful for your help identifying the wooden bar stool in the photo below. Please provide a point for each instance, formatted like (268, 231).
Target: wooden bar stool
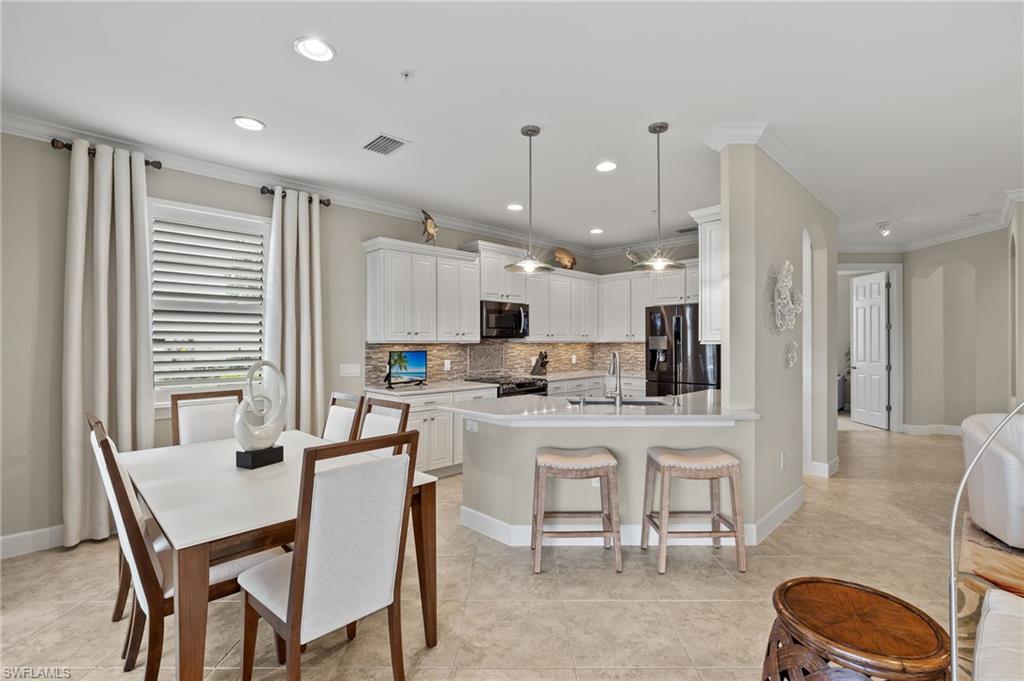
(577, 464)
(706, 463)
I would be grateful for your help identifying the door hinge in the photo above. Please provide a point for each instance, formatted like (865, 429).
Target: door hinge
(888, 326)
(888, 367)
(888, 285)
(888, 407)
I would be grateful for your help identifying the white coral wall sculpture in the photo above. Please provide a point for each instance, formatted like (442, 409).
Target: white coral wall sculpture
(786, 303)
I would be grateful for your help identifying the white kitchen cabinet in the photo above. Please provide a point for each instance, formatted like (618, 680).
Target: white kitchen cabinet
(417, 293)
(495, 282)
(421, 422)
(441, 453)
(624, 301)
(458, 301)
(583, 306)
(709, 235)
(692, 282)
(560, 308)
(538, 297)
(670, 286)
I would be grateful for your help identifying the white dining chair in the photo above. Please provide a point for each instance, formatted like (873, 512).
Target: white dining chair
(382, 417)
(349, 548)
(343, 417)
(150, 559)
(204, 416)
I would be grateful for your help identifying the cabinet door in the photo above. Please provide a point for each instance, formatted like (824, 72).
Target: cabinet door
(514, 283)
(614, 311)
(398, 320)
(421, 422)
(692, 283)
(458, 431)
(441, 435)
(492, 276)
(538, 292)
(710, 244)
(449, 300)
(560, 310)
(469, 307)
(670, 287)
(590, 311)
(641, 296)
(424, 297)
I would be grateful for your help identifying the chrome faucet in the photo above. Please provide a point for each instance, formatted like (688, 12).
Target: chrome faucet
(615, 369)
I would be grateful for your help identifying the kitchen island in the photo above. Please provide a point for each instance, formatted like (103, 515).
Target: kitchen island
(501, 436)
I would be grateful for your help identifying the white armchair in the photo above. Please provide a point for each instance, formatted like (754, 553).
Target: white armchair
(995, 491)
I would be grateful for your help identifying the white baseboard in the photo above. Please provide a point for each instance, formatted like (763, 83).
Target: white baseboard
(933, 429)
(519, 535)
(21, 543)
(822, 470)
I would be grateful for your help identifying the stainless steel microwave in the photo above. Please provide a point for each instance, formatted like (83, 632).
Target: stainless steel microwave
(504, 320)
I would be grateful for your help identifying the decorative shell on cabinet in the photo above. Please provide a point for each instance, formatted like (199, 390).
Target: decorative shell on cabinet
(565, 259)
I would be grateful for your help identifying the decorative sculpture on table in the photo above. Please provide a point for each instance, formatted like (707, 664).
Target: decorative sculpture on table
(260, 417)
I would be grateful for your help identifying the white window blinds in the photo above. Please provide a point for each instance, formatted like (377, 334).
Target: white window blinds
(208, 279)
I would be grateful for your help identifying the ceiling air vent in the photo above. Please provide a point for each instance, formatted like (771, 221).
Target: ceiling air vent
(384, 144)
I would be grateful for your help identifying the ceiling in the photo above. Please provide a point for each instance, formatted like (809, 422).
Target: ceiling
(907, 113)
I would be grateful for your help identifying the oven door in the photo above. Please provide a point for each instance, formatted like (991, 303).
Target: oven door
(504, 320)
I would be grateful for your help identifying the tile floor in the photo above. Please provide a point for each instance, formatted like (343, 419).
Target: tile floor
(881, 520)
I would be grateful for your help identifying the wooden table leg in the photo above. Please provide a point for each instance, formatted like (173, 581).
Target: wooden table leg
(191, 593)
(424, 528)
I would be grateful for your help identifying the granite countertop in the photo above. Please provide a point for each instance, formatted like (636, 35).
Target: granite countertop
(587, 373)
(699, 409)
(430, 388)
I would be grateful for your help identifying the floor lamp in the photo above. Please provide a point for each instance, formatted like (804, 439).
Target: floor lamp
(954, 657)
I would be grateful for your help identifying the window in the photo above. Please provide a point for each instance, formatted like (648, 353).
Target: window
(207, 284)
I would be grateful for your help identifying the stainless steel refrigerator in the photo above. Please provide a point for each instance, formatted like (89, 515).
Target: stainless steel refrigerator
(676, 361)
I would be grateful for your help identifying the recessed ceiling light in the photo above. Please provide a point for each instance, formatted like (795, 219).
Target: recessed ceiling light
(247, 123)
(606, 166)
(883, 228)
(514, 206)
(597, 230)
(314, 48)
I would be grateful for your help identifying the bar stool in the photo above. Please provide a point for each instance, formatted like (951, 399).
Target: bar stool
(706, 463)
(577, 464)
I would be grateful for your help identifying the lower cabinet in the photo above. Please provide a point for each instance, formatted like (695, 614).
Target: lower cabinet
(440, 431)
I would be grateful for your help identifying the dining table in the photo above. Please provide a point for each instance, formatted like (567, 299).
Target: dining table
(212, 511)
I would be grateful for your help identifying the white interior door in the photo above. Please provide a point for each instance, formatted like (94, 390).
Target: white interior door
(869, 350)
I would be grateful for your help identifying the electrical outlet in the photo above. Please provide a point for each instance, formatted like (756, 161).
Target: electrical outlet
(349, 370)
(573, 359)
(782, 461)
(470, 425)
(447, 365)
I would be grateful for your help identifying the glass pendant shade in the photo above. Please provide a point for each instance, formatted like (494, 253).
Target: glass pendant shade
(529, 263)
(658, 262)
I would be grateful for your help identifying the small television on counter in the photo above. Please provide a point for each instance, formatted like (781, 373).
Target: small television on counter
(407, 367)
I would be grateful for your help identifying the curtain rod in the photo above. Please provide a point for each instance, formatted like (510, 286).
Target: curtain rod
(61, 144)
(264, 190)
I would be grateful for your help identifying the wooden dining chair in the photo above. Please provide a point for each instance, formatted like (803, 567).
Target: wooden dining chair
(343, 417)
(349, 549)
(151, 561)
(382, 417)
(203, 416)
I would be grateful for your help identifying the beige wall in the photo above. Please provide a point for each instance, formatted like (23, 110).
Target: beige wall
(765, 212)
(841, 337)
(957, 331)
(1015, 304)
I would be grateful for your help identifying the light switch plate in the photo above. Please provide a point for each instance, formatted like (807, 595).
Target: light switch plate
(573, 359)
(447, 365)
(349, 370)
(471, 425)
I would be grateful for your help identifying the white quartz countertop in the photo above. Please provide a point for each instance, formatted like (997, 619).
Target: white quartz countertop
(699, 409)
(587, 373)
(430, 388)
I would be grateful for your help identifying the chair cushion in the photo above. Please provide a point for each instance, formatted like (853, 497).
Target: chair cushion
(998, 653)
(588, 457)
(700, 458)
(269, 583)
(222, 572)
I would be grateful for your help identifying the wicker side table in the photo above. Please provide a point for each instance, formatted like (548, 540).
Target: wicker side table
(831, 630)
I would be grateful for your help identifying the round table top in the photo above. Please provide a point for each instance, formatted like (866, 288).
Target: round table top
(860, 627)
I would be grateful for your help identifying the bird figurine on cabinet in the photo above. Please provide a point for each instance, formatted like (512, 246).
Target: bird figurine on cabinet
(565, 259)
(429, 228)
(632, 257)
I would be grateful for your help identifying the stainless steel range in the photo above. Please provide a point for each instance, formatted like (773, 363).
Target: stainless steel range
(510, 386)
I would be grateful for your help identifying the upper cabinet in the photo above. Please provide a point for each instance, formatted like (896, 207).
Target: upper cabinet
(670, 286)
(495, 282)
(417, 293)
(550, 299)
(709, 233)
(623, 300)
(583, 306)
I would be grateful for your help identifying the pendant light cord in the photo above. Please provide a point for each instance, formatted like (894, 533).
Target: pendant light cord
(658, 138)
(529, 202)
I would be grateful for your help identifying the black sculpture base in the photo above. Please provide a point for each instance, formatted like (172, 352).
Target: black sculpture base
(260, 457)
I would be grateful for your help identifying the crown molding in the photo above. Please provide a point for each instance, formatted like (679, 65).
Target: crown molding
(682, 240)
(888, 248)
(704, 215)
(761, 135)
(918, 244)
(1011, 199)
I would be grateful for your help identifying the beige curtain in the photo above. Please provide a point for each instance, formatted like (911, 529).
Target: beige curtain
(107, 347)
(293, 322)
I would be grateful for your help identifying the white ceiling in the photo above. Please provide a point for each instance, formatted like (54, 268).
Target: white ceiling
(908, 113)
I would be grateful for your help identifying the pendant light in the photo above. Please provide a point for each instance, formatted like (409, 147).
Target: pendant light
(658, 261)
(529, 263)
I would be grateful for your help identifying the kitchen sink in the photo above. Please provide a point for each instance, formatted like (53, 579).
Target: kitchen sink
(629, 402)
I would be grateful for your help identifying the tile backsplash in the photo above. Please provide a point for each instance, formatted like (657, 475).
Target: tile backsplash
(495, 357)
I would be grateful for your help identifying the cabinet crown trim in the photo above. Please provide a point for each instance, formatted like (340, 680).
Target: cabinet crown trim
(477, 246)
(385, 243)
(705, 215)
